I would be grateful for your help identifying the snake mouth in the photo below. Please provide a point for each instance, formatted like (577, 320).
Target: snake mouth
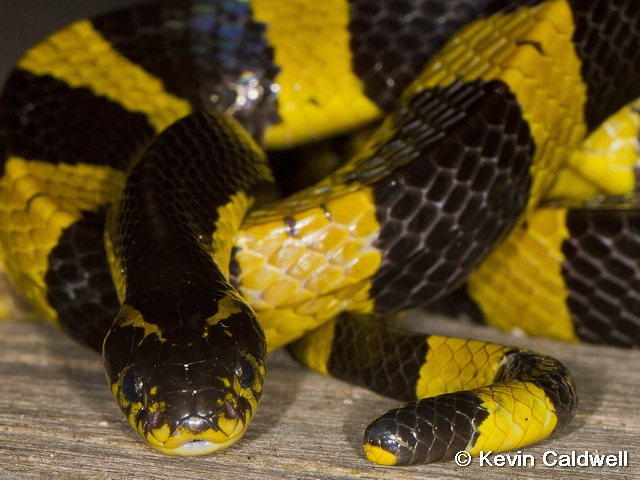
(189, 444)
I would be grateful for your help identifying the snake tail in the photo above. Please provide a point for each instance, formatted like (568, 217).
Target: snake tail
(462, 394)
(185, 357)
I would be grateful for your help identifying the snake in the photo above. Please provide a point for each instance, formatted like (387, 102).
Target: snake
(140, 216)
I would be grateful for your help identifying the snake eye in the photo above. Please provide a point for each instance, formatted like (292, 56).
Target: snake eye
(245, 371)
(132, 388)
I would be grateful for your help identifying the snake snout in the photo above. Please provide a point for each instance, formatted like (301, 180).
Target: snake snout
(195, 424)
(196, 429)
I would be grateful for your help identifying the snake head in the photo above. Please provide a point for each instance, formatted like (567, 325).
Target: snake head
(189, 389)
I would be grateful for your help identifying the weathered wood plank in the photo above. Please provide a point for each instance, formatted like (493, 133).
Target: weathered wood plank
(57, 418)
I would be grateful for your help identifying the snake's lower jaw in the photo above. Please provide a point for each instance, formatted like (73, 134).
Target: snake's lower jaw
(189, 444)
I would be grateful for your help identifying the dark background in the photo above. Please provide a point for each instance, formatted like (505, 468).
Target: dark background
(23, 24)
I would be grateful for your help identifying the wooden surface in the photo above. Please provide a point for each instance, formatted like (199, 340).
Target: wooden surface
(57, 419)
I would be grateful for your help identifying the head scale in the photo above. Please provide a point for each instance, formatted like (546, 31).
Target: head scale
(190, 388)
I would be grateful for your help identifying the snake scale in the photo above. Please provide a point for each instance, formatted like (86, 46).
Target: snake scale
(134, 187)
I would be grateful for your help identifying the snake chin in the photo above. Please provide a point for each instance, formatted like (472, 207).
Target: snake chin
(184, 445)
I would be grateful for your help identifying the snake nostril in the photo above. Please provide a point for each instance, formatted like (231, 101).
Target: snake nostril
(154, 419)
(230, 410)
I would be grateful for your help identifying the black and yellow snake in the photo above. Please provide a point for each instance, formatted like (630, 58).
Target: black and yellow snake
(133, 187)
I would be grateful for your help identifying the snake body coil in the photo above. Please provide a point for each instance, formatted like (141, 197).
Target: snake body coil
(487, 105)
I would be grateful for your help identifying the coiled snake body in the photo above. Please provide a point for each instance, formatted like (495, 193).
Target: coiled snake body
(143, 124)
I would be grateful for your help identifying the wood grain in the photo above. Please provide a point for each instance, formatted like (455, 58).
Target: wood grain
(57, 419)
